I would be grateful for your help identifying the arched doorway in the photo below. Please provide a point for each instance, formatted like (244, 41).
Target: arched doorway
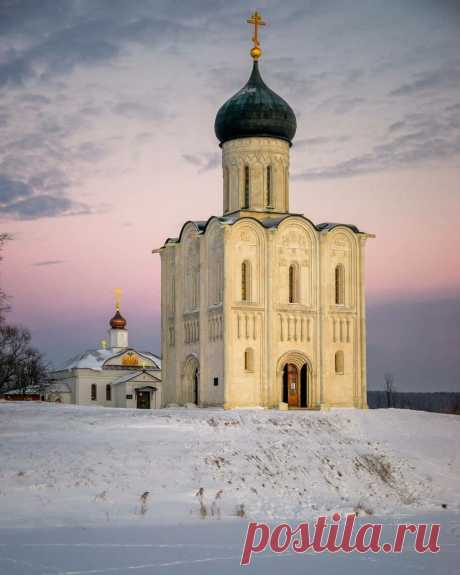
(295, 374)
(191, 381)
(196, 379)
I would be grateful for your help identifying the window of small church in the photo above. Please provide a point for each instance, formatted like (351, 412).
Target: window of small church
(246, 187)
(269, 182)
(108, 392)
(340, 285)
(245, 281)
(93, 392)
(339, 363)
(293, 284)
(249, 360)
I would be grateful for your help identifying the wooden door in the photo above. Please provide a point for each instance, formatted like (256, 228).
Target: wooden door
(143, 400)
(293, 385)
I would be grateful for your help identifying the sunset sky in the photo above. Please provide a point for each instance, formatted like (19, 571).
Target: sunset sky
(107, 147)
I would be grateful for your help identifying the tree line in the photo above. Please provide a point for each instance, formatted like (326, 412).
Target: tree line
(22, 366)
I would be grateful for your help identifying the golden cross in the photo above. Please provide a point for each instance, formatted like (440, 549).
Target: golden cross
(256, 20)
(118, 292)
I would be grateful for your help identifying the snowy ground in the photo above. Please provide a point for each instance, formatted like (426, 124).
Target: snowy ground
(128, 479)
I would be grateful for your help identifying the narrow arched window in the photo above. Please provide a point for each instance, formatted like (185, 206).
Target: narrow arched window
(249, 360)
(269, 184)
(286, 189)
(247, 184)
(245, 281)
(108, 392)
(340, 285)
(226, 189)
(293, 287)
(339, 363)
(93, 392)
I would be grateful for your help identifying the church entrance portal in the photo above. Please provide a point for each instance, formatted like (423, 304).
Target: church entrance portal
(195, 386)
(143, 399)
(295, 385)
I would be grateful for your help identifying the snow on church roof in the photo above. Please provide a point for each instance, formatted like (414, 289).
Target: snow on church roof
(95, 358)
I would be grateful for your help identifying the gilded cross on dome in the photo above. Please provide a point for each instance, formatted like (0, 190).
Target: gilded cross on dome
(118, 292)
(256, 20)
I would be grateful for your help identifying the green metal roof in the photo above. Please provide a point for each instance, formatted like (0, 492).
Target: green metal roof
(255, 111)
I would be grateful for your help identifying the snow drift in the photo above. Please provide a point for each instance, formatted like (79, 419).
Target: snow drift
(70, 465)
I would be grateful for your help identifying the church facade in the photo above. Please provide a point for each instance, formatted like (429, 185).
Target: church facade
(114, 375)
(260, 306)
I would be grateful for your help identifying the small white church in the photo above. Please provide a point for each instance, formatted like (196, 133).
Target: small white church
(115, 375)
(260, 306)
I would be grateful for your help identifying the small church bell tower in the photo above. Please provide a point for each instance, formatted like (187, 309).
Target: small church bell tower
(118, 334)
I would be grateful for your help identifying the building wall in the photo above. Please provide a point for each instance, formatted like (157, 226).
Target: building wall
(67, 379)
(214, 328)
(245, 242)
(211, 316)
(80, 381)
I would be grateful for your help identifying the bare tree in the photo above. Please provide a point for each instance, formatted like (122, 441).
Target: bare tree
(4, 306)
(390, 388)
(21, 366)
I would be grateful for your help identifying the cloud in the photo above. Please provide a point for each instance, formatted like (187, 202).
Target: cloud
(48, 263)
(204, 162)
(13, 190)
(320, 141)
(140, 111)
(57, 40)
(43, 206)
(446, 77)
(428, 137)
(91, 152)
(340, 104)
(35, 99)
(396, 127)
(23, 201)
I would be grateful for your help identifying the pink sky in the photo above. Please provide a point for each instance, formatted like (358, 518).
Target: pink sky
(121, 126)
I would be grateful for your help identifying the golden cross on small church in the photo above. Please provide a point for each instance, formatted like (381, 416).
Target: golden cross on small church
(118, 292)
(256, 20)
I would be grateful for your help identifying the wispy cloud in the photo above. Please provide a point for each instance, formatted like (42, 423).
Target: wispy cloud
(43, 206)
(417, 139)
(320, 141)
(446, 77)
(48, 263)
(204, 162)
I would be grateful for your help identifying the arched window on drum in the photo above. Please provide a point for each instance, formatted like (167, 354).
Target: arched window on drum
(246, 281)
(339, 285)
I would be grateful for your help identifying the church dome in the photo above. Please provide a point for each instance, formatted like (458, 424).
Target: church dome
(118, 321)
(255, 111)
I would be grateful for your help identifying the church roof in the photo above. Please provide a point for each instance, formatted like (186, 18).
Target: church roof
(255, 111)
(269, 223)
(96, 358)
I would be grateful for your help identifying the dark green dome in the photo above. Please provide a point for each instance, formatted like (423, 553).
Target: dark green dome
(255, 111)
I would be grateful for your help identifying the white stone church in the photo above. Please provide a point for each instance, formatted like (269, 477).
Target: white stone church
(260, 306)
(114, 375)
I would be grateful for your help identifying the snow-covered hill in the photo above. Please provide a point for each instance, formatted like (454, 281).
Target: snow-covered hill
(68, 465)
